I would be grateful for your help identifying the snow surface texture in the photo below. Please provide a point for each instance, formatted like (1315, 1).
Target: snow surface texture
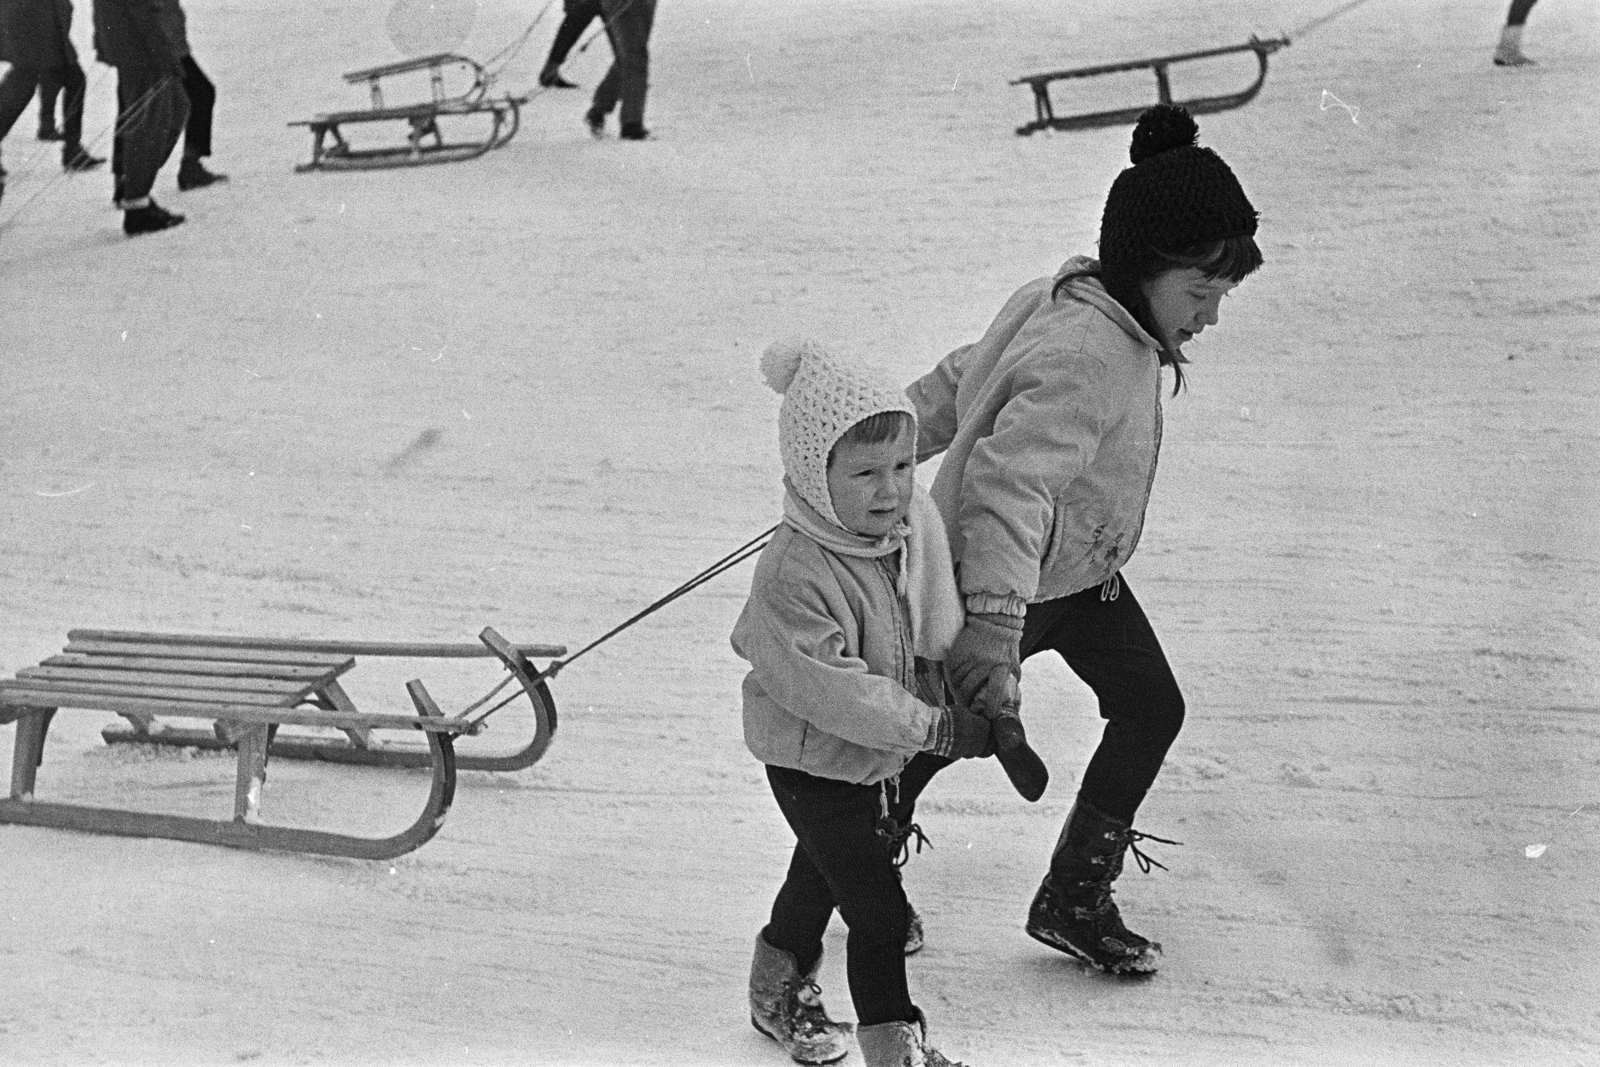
(523, 392)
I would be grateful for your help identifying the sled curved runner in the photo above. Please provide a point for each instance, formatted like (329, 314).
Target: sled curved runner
(1047, 119)
(326, 694)
(33, 701)
(425, 138)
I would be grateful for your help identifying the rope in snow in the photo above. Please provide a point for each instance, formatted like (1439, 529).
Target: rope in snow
(732, 559)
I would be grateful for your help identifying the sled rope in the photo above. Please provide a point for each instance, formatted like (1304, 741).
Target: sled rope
(1329, 17)
(509, 52)
(732, 559)
(134, 114)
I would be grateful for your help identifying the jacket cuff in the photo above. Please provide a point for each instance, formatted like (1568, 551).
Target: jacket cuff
(992, 604)
(940, 733)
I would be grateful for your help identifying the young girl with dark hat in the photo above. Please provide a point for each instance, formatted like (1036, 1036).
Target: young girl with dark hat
(1051, 424)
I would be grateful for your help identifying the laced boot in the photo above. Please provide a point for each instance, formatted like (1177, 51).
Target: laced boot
(1073, 911)
(901, 1045)
(787, 1006)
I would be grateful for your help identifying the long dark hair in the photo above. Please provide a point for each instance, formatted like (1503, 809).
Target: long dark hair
(1233, 258)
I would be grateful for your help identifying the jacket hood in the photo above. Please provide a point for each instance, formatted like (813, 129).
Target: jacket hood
(1089, 289)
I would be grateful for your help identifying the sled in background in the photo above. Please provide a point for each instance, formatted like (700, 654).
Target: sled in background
(425, 141)
(248, 688)
(1047, 119)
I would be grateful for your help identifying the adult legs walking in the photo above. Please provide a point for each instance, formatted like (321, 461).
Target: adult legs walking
(628, 24)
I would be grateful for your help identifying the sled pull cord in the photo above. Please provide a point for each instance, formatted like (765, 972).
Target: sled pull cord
(1329, 17)
(737, 556)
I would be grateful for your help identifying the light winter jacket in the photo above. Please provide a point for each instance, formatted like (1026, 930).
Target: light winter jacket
(1052, 423)
(831, 689)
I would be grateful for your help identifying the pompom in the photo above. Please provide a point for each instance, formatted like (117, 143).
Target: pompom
(781, 362)
(1161, 129)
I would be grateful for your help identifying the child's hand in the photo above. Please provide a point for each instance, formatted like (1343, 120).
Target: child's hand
(1000, 701)
(984, 643)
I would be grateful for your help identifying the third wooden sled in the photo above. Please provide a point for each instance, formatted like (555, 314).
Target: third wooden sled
(425, 120)
(91, 648)
(1047, 119)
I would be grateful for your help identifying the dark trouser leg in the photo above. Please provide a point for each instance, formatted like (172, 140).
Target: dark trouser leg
(73, 85)
(151, 111)
(840, 854)
(579, 14)
(202, 102)
(1518, 15)
(49, 91)
(628, 22)
(913, 780)
(1111, 646)
(16, 93)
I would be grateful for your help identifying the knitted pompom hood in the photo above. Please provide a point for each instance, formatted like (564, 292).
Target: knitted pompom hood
(823, 396)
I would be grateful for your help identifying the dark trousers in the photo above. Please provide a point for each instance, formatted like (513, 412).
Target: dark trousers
(151, 112)
(202, 102)
(579, 13)
(628, 25)
(1112, 647)
(66, 84)
(841, 862)
(16, 92)
(1518, 14)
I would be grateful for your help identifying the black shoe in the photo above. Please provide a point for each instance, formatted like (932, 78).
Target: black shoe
(76, 158)
(633, 131)
(148, 219)
(552, 79)
(192, 174)
(49, 133)
(596, 121)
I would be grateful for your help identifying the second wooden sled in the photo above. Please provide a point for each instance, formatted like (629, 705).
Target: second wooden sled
(498, 116)
(1047, 119)
(92, 647)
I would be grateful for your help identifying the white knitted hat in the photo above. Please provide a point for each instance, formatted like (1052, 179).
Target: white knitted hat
(822, 398)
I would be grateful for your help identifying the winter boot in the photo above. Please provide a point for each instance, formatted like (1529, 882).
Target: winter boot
(192, 174)
(901, 1045)
(1509, 52)
(147, 217)
(787, 1006)
(1073, 910)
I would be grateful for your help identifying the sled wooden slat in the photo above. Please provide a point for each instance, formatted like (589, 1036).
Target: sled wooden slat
(288, 672)
(145, 679)
(422, 649)
(54, 699)
(177, 696)
(177, 650)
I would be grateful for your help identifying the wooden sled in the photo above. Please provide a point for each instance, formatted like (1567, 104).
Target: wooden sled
(1047, 119)
(247, 691)
(89, 647)
(425, 140)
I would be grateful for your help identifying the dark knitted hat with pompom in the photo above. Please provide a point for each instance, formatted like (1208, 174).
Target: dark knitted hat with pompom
(1176, 195)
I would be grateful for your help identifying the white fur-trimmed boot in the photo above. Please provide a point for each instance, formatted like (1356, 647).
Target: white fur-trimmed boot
(1509, 51)
(787, 1006)
(901, 1045)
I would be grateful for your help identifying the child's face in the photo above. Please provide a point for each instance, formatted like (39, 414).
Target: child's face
(870, 484)
(1184, 302)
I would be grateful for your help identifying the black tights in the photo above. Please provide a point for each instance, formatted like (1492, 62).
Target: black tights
(1112, 647)
(840, 861)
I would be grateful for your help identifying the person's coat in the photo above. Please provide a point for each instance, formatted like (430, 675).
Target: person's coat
(128, 33)
(1051, 424)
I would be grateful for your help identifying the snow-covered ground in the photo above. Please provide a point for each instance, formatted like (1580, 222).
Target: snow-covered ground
(1371, 555)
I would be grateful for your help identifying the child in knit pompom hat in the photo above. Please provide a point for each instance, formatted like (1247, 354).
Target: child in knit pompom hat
(852, 604)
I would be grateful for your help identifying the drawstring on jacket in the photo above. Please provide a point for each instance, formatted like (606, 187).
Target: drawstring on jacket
(1111, 588)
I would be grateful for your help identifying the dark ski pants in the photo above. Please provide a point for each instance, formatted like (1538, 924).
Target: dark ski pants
(1518, 13)
(628, 25)
(16, 92)
(1110, 644)
(152, 109)
(202, 102)
(841, 862)
(579, 13)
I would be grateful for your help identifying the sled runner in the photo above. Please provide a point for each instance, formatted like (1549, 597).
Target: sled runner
(248, 688)
(1047, 119)
(425, 141)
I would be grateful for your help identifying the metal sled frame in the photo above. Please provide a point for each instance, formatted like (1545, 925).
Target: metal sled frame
(1047, 119)
(356, 746)
(425, 141)
(247, 692)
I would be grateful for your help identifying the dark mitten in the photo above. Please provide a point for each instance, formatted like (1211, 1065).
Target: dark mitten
(986, 641)
(961, 735)
(1000, 702)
